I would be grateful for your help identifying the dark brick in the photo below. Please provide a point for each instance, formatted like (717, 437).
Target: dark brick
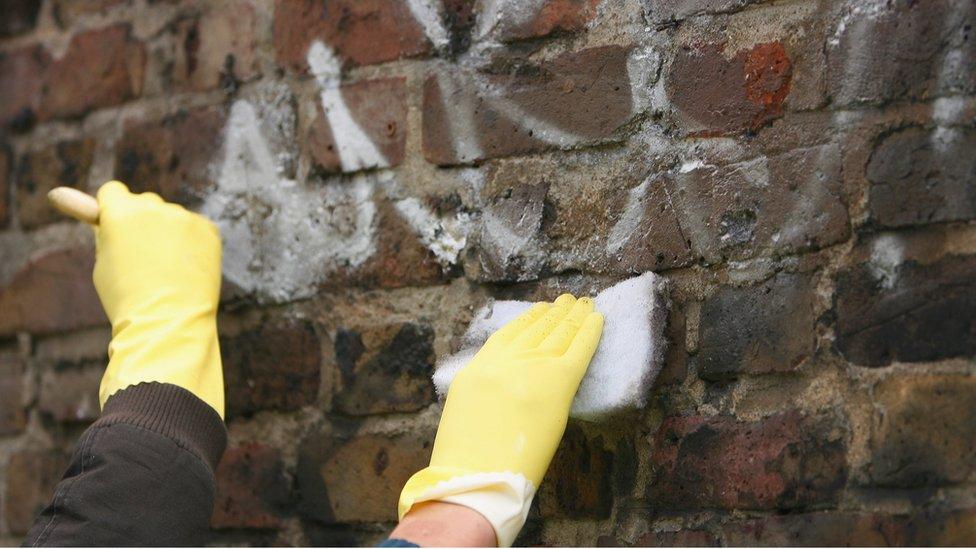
(578, 97)
(718, 95)
(922, 176)
(101, 68)
(19, 16)
(21, 87)
(272, 366)
(923, 433)
(4, 185)
(867, 61)
(69, 392)
(217, 49)
(551, 17)
(942, 528)
(384, 369)
(661, 11)
(173, 157)
(64, 164)
(357, 479)
(13, 417)
(784, 203)
(759, 329)
(785, 461)
(361, 32)
(909, 312)
(251, 488)
(830, 529)
(31, 478)
(379, 107)
(53, 293)
(578, 483)
(678, 538)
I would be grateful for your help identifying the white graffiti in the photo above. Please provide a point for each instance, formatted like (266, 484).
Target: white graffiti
(281, 238)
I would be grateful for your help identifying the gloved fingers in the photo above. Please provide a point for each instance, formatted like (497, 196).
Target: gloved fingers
(112, 195)
(534, 334)
(558, 341)
(518, 325)
(584, 345)
(151, 198)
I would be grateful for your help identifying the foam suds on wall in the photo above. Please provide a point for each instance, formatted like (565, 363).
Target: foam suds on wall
(626, 362)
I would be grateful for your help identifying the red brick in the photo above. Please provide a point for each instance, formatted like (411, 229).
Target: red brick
(64, 164)
(582, 96)
(13, 417)
(251, 488)
(361, 32)
(21, 88)
(271, 366)
(758, 329)
(907, 312)
(579, 482)
(914, 182)
(31, 478)
(101, 68)
(172, 158)
(551, 17)
(52, 293)
(400, 259)
(69, 392)
(218, 48)
(379, 107)
(357, 479)
(384, 369)
(717, 95)
(785, 461)
(19, 16)
(923, 432)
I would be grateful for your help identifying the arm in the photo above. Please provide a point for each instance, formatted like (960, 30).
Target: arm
(504, 416)
(438, 524)
(143, 473)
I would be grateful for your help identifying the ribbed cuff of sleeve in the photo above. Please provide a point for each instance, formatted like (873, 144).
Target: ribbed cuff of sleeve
(171, 411)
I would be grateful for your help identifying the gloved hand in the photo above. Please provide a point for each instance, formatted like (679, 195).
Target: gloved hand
(506, 412)
(157, 272)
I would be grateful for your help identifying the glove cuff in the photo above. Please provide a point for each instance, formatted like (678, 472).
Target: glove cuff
(503, 498)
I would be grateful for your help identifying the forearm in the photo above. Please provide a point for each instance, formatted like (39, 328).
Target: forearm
(438, 524)
(140, 475)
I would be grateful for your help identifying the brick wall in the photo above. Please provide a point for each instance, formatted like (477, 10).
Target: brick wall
(801, 171)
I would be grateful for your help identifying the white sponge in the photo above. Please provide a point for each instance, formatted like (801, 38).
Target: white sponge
(626, 362)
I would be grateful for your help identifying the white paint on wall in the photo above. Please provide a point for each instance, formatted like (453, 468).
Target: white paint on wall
(625, 227)
(428, 14)
(887, 253)
(691, 165)
(355, 149)
(499, 15)
(282, 239)
(444, 236)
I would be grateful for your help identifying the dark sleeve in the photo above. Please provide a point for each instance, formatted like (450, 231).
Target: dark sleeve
(140, 475)
(395, 542)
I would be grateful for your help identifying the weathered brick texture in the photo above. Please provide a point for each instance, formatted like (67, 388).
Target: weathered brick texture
(782, 462)
(800, 172)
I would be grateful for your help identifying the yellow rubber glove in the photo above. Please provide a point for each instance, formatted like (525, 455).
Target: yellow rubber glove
(506, 412)
(157, 272)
